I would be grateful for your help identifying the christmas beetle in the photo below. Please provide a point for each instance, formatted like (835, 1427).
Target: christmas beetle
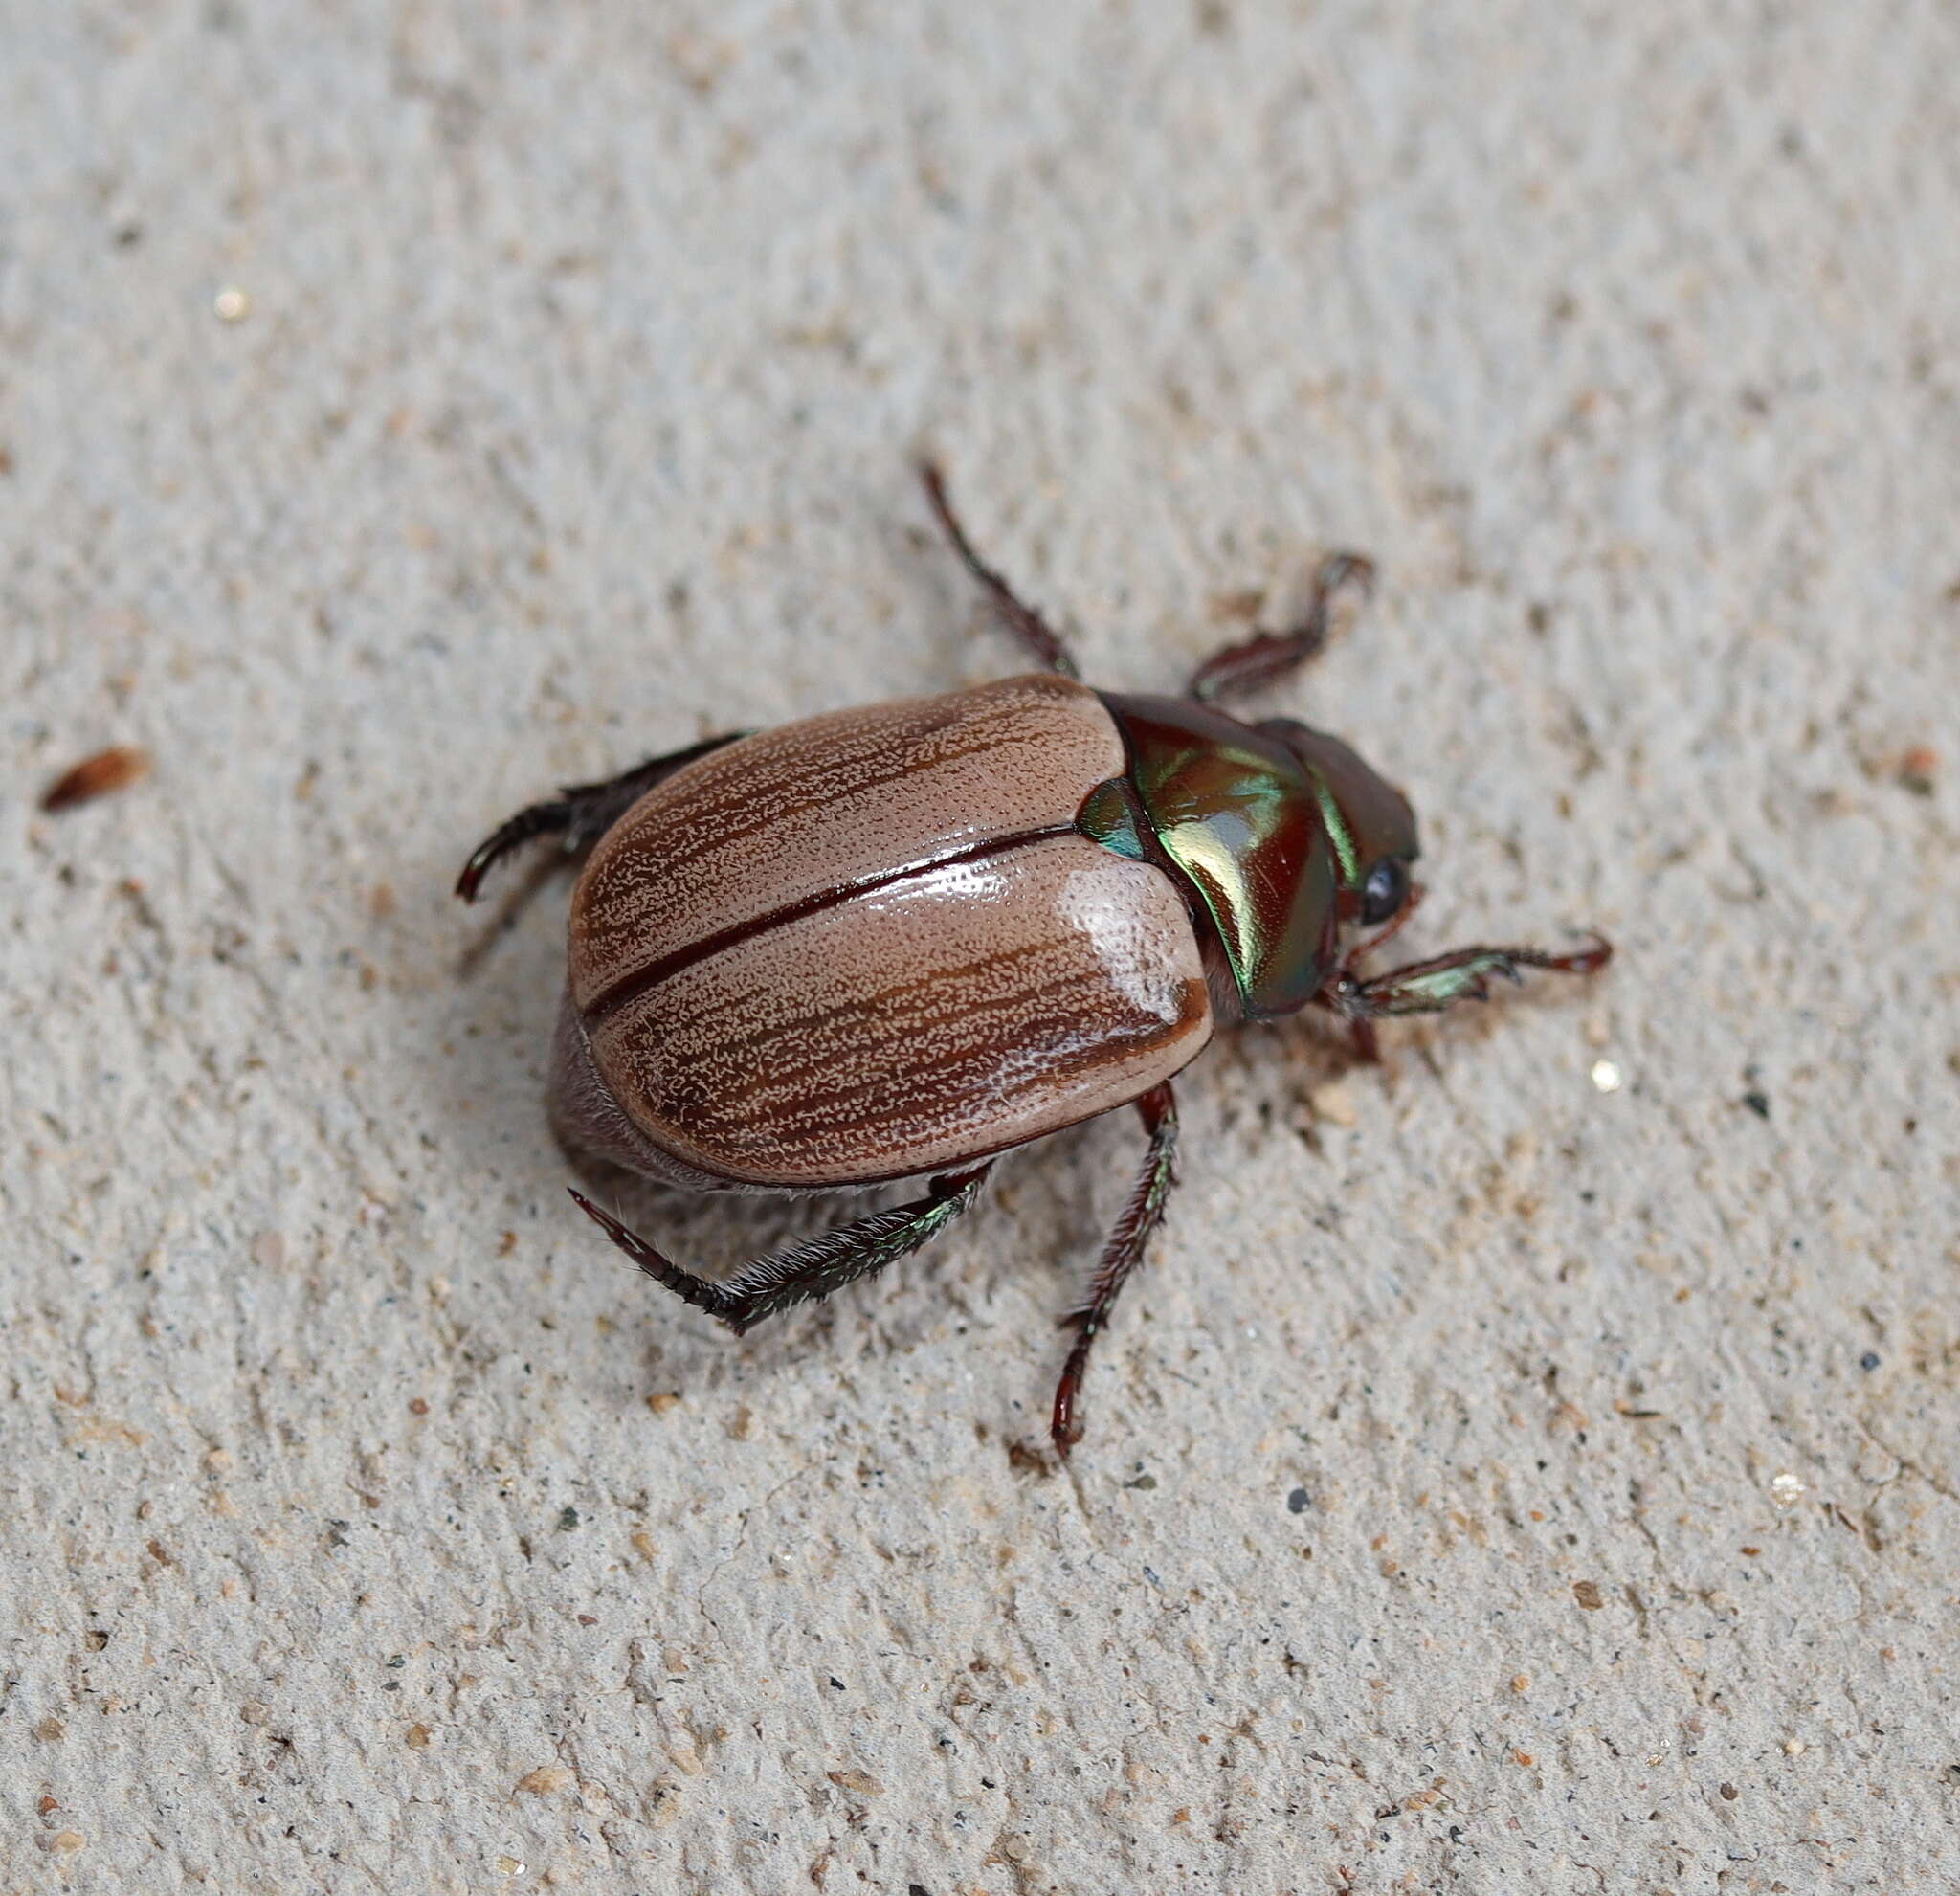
(897, 942)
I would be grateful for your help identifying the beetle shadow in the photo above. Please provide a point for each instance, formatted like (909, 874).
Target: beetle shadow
(500, 917)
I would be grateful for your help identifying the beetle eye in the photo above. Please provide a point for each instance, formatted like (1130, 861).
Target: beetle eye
(1385, 891)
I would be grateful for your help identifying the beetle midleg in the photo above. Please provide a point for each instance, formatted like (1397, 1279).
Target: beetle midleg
(1142, 1214)
(1035, 631)
(805, 1272)
(1269, 655)
(581, 813)
(1428, 987)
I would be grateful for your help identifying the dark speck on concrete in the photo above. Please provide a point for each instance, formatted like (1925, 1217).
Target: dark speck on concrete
(1757, 1103)
(1298, 1501)
(568, 1519)
(1870, 1360)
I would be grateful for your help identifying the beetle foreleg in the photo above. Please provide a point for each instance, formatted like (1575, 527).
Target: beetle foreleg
(1269, 655)
(1428, 987)
(580, 814)
(1034, 629)
(805, 1272)
(1140, 1215)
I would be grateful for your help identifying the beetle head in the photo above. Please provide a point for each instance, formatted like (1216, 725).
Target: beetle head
(1369, 820)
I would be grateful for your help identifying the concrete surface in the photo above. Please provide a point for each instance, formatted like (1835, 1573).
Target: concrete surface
(1498, 1483)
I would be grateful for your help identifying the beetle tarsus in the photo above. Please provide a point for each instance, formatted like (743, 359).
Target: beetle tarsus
(1034, 631)
(540, 819)
(700, 1291)
(580, 814)
(805, 1272)
(1142, 1214)
(1270, 655)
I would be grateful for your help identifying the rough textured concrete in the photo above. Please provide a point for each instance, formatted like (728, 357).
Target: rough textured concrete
(1498, 1483)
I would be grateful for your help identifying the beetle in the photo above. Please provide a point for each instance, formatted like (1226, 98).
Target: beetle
(894, 943)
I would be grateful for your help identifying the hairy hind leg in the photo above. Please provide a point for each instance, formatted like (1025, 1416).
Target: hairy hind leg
(805, 1272)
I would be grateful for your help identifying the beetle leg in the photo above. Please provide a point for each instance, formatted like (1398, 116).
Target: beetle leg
(580, 814)
(1269, 655)
(1141, 1216)
(1034, 629)
(1367, 1046)
(805, 1272)
(1428, 987)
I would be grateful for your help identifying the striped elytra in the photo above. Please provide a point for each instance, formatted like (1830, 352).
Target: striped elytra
(873, 944)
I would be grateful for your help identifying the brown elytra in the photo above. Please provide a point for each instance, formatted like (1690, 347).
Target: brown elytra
(758, 997)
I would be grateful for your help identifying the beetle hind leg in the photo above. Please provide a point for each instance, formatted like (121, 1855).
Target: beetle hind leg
(805, 1272)
(1142, 1214)
(1032, 630)
(580, 814)
(1270, 655)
